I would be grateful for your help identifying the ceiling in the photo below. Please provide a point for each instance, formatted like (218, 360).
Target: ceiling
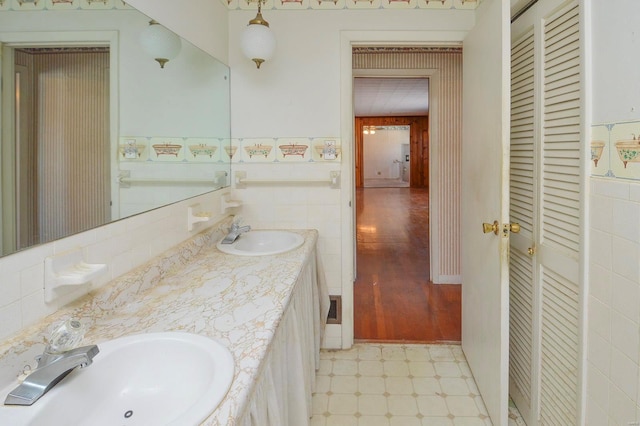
(384, 97)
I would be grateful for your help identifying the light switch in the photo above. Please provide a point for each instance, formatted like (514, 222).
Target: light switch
(329, 150)
(130, 149)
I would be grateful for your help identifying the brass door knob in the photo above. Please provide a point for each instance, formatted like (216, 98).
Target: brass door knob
(531, 251)
(514, 227)
(491, 227)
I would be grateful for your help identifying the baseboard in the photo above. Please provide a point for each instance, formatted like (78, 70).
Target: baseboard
(447, 279)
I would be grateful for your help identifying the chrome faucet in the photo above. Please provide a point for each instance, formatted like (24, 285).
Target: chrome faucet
(57, 360)
(234, 233)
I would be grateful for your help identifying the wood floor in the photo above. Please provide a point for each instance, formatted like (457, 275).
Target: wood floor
(394, 300)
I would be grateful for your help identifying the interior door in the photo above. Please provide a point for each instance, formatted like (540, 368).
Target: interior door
(485, 180)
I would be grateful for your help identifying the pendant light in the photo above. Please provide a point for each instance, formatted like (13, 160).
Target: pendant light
(160, 43)
(258, 42)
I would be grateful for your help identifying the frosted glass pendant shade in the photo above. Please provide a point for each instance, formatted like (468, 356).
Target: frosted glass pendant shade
(160, 43)
(258, 43)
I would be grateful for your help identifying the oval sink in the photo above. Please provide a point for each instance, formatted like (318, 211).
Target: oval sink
(158, 378)
(262, 243)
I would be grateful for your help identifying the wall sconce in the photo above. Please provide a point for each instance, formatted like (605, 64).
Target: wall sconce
(258, 42)
(369, 130)
(160, 43)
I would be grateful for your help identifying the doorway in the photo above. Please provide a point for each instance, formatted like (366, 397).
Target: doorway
(65, 90)
(394, 299)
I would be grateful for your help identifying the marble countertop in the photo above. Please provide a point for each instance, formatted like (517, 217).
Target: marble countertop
(194, 288)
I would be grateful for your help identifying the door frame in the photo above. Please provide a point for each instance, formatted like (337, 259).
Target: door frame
(349, 39)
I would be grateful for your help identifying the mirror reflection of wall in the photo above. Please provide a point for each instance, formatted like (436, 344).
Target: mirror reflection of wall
(93, 129)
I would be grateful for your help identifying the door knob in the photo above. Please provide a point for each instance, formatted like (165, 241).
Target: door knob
(513, 227)
(491, 227)
(531, 251)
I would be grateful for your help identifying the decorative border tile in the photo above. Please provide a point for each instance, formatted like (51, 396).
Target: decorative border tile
(328, 4)
(351, 4)
(230, 151)
(202, 150)
(163, 149)
(400, 4)
(259, 150)
(436, 4)
(22, 5)
(615, 150)
(292, 4)
(293, 149)
(167, 149)
(282, 150)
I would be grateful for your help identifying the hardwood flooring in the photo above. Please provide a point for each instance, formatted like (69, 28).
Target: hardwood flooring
(394, 301)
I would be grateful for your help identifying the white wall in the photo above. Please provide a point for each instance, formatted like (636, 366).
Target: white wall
(298, 94)
(380, 151)
(613, 359)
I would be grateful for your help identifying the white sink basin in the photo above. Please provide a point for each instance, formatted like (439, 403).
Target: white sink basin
(262, 243)
(147, 379)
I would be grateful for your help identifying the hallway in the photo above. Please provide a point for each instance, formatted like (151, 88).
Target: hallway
(394, 301)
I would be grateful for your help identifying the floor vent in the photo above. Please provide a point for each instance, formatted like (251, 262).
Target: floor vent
(335, 310)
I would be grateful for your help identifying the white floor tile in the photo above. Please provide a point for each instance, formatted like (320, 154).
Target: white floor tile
(345, 367)
(422, 369)
(371, 385)
(396, 368)
(402, 405)
(426, 386)
(373, 405)
(405, 421)
(397, 385)
(373, 421)
(343, 404)
(370, 368)
(344, 384)
(454, 386)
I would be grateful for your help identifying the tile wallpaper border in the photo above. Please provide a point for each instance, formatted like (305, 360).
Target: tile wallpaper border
(136, 149)
(615, 150)
(22, 5)
(352, 4)
(284, 150)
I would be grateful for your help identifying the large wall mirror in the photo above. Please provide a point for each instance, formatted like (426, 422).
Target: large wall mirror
(93, 129)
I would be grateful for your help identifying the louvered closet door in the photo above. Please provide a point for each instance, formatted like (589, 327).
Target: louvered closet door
(545, 345)
(522, 211)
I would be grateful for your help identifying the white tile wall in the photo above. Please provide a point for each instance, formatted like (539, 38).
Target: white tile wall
(613, 375)
(122, 245)
(298, 206)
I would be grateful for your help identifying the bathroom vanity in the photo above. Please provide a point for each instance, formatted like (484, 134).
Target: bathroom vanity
(268, 311)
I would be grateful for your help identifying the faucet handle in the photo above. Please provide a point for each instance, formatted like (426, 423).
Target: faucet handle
(66, 337)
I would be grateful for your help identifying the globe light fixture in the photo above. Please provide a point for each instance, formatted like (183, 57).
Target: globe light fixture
(160, 43)
(258, 42)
